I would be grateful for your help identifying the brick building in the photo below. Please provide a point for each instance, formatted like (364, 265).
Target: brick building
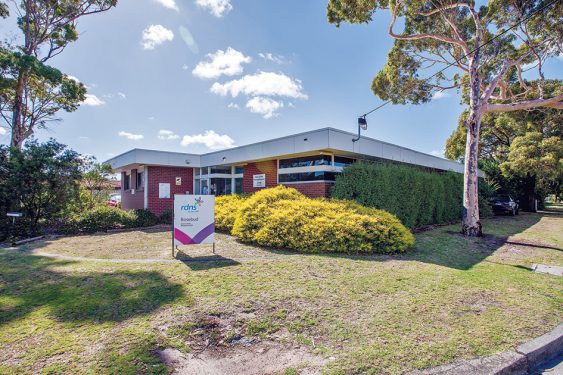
(308, 162)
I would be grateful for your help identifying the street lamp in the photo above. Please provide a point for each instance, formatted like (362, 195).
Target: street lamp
(362, 125)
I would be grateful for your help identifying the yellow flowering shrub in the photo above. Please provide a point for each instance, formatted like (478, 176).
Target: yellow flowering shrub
(226, 207)
(284, 218)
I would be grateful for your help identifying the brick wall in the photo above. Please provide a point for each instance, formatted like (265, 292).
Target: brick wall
(269, 168)
(313, 189)
(131, 201)
(158, 175)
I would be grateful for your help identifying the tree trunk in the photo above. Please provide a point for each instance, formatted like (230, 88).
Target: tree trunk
(18, 132)
(471, 225)
(529, 199)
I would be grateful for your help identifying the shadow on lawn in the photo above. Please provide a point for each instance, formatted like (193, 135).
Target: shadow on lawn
(28, 283)
(449, 248)
(203, 263)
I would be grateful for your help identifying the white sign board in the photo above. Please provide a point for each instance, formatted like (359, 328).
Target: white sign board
(194, 219)
(259, 180)
(163, 190)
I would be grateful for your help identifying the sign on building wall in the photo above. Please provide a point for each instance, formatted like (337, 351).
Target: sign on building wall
(163, 190)
(194, 219)
(178, 181)
(259, 180)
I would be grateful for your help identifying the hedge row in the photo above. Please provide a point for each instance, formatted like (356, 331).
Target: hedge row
(282, 217)
(417, 197)
(103, 218)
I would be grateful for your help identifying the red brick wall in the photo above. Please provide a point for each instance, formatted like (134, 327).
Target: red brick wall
(313, 189)
(158, 175)
(270, 168)
(131, 201)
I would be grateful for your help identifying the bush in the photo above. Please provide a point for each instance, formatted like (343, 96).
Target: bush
(166, 216)
(417, 197)
(144, 218)
(283, 217)
(226, 208)
(100, 218)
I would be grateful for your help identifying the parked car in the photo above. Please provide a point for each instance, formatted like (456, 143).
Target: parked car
(504, 204)
(114, 200)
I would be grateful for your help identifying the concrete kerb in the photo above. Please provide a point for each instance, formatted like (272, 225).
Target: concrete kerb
(523, 360)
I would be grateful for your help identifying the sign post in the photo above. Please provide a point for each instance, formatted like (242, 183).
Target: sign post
(194, 220)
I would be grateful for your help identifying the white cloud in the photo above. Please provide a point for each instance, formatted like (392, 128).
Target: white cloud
(188, 38)
(93, 101)
(440, 95)
(3, 131)
(278, 59)
(170, 4)
(73, 78)
(122, 95)
(167, 135)
(261, 83)
(438, 153)
(131, 136)
(233, 105)
(217, 7)
(210, 139)
(185, 67)
(155, 35)
(265, 106)
(151, 118)
(227, 63)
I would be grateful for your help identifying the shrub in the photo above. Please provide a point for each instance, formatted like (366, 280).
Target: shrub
(166, 216)
(144, 218)
(226, 208)
(283, 217)
(98, 219)
(417, 197)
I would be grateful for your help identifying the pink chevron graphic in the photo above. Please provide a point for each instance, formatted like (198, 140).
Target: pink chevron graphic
(184, 239)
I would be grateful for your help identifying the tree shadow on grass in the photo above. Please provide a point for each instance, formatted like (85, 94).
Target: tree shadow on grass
(28, 283)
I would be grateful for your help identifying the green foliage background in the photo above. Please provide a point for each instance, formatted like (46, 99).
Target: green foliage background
(417, 197)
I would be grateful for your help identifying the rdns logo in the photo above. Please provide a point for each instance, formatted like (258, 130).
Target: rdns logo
(193, 207)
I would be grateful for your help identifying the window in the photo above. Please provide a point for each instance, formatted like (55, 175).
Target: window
(340, 161)
(239, 170)
(222, 170)
(309, 176)
(307, 161)
(140, 180)
(126, 182)
(238, 186)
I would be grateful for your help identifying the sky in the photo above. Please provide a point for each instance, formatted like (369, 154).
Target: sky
(200, 75)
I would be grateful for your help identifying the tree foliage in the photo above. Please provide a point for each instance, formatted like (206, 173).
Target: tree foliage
(31, 92)
(40, 181)
(482, 52)
(96, 178)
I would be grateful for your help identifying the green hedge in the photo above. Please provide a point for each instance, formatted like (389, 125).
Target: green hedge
(103, 218)
(284, 218)
(417, 197)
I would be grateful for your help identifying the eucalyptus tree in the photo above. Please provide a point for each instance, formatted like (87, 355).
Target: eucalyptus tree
(480, 51)
(31, 91)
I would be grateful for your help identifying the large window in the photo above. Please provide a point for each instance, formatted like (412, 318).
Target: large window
(140, 180)
(307, 161)
(341, 161)
(239, 170)
(222, 170)
(308, 176)
(126, 182)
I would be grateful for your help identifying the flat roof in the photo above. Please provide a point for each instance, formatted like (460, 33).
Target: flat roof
(321, 140)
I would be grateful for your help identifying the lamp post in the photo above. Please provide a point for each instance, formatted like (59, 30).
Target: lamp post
(362, 125)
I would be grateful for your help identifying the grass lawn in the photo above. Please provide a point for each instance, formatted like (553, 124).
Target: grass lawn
(274, 311)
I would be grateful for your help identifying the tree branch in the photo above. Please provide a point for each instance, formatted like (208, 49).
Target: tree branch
(555, 102)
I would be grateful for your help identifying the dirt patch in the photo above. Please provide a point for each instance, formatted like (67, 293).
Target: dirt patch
(266, 357)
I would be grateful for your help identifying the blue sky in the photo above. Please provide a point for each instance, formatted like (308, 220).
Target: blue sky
(195, 75)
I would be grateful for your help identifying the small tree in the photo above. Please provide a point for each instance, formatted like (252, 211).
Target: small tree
(96, 178)
(31, 93)
(460, 39)
(41, 180)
